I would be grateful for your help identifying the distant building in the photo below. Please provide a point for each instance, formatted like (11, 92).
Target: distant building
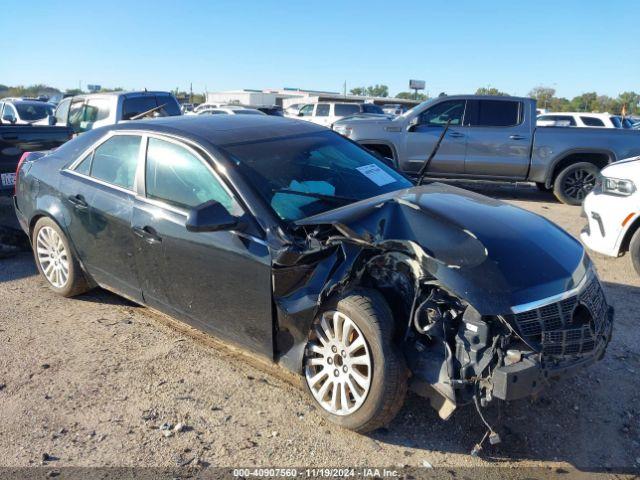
(288, 96)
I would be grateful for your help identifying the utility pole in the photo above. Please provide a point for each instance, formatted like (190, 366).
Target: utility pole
(191, 92)
(344, 89)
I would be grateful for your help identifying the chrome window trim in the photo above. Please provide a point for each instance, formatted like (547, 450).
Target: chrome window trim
(100, 182)
(525, 307)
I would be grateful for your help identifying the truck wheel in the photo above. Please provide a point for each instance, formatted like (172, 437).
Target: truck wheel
(352, 368)
(574, 182)
(634, 250)
(56, 261)
(543, 187)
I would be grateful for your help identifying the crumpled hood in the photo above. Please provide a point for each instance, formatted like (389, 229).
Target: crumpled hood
(489, 253)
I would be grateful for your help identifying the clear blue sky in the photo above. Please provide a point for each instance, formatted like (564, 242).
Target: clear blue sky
(455, 46)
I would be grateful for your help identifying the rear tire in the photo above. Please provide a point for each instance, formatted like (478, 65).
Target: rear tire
(634, 250)
(384, 393)
(574, 182)
(55, 259)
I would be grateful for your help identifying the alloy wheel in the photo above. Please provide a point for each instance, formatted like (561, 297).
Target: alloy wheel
(338, 364)
(52, 257)
(579, 183)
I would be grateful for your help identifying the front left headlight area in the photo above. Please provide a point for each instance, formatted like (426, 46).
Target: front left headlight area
(616, 186)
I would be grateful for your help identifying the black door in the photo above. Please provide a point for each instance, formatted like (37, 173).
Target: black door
(99, 198)
(216, 281)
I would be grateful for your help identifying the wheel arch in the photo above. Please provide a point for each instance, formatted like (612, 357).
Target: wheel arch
(628, 235)
(599, 157)
(382, 147)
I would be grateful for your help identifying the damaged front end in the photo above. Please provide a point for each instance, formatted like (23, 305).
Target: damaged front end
(490, 302)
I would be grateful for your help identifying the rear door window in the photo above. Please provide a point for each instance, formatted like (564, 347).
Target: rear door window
(344, 109)
(322, 110)
(115, 161)
(170, 106)
(133, 106)
(592, 121)
(371, 108)
(494, 113)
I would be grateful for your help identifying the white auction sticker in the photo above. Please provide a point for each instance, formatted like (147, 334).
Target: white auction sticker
(376, 174)
(8, 179)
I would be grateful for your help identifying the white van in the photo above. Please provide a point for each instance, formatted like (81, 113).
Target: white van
(326, 113)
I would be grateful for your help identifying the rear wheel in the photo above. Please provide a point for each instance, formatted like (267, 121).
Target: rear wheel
(634, 250)
(353, 371)
(575, 182)
(55, 260)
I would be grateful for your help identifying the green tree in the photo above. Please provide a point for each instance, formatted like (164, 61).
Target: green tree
(358, 91)
(378, 91)
(412, 96)
(630, 101)
(543, 95)
(491, 91)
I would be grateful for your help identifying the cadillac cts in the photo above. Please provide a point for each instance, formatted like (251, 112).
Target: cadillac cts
(301, 246)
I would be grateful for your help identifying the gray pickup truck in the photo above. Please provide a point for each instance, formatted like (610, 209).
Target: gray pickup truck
(493, 138)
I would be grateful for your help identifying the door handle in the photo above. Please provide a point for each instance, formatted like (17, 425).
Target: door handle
(456, 135)
(147, 233)
(78, 201)
(517, 137)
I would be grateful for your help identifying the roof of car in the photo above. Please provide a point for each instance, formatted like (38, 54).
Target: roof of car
(590, 114)
(222, 130)
(115, 94)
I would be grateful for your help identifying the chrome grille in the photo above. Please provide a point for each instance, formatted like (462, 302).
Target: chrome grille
(552, 326)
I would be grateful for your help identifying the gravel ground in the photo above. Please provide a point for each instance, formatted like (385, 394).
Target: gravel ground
(95, 380)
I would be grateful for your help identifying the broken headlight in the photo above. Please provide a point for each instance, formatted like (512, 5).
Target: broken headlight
(617, 186)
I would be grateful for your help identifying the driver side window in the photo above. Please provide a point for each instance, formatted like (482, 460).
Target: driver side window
(307, 110)
(439, 115)
(178, 177)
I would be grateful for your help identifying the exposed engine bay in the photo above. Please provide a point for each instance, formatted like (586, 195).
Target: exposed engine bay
(475, 322)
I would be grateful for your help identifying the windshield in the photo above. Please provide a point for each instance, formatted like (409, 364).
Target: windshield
(309, 174)
(31, 111)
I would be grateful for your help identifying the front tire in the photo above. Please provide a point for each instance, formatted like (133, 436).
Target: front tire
(575, 182)
(353, 370)
(634, 250)
(56, 261)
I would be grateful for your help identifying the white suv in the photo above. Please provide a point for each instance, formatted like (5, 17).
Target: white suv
(612, 212)
(578, 119)
(326, 113)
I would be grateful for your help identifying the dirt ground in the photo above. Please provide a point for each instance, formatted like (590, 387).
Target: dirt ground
(90, 381)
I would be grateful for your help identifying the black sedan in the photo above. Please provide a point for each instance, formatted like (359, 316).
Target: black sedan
(301, 246)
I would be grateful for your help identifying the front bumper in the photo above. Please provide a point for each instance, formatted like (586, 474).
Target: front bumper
(605, 216)
(566, 335)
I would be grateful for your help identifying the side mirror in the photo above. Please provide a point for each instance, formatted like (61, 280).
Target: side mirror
(210, 217)
(52, 120)
(7, 117)
(300, 114)
(413, 123)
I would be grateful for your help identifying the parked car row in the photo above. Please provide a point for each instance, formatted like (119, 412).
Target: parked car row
(493, 138)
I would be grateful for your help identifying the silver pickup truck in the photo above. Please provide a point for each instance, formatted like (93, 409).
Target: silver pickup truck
(493, 138)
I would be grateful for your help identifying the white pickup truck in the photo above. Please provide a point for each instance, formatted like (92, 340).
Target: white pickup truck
(494, 138)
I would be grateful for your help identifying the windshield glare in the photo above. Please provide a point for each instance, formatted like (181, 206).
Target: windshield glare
(328, 171)
(33, 111)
